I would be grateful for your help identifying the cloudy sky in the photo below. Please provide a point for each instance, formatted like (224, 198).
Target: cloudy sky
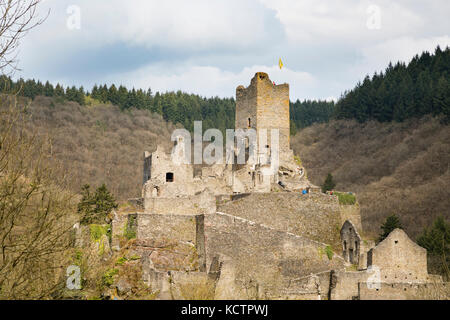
(210, 47)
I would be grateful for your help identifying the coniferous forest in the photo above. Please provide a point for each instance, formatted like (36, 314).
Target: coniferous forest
(401, 92)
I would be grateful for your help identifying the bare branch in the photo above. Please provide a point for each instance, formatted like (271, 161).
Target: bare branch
(17, 17)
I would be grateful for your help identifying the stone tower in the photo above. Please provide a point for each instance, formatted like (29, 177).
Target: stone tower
(263, 105)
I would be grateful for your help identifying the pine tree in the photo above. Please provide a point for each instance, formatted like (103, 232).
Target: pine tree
(95, 208)
(59, 91)
(48, 90)
(437, 242)
(86, 205)
(104, 201)
(392, 222)
(328, 184)
(441, 99)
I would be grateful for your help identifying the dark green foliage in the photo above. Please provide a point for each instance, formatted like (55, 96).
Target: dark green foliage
(437, 242)
(392, 222)
(403, 91)
(94, 208)
(305, 113)
(328, 184)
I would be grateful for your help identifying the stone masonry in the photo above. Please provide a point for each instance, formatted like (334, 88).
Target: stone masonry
(260, 233)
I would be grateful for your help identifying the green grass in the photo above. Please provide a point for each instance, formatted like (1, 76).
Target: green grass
(329, 252)
(346, 198)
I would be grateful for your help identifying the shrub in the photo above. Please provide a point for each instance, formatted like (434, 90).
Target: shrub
(108, 277)
(121, 260)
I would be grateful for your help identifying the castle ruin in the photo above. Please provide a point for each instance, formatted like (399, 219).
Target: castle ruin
(257, 233)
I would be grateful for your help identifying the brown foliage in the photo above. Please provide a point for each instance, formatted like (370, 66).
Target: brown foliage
(100, 144)
(395, 168)
(36, 215)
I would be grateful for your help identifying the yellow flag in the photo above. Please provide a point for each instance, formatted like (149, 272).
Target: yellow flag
(280, 64)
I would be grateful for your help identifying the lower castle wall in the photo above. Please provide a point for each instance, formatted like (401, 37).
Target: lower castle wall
(262, 254)
(169, 226)
(188, 205)
(405, 291)
(344, 285)
(315, 216)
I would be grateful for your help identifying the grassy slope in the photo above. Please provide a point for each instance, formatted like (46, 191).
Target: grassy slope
(401, 168)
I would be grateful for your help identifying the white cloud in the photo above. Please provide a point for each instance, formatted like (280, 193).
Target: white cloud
(344, 21)
(376, 57)
(210, 47)
(194, 24)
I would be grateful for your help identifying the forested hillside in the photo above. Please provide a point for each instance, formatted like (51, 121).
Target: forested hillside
(403, 91)
(176, 107)
(100, 144)
(394, 168)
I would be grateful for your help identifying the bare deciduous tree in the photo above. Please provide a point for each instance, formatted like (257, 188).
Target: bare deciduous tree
(17, 17)
(36, 216)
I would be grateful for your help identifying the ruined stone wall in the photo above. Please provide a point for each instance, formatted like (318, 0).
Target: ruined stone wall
(263, 255)
(176, 285)
(147, 167)
(314, 215)
(352, 213)
(189, 205)
(405, 291)
(161, 163)
(351, 243)
(169, 242)
(245, 107)
(399, 259)
(344, 285)
(267, 107)
(171, 226)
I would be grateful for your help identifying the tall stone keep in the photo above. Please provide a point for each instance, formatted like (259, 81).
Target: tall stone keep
(263, 105)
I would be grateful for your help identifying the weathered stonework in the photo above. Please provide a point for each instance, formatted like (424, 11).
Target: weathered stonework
(314, 215)
(351, 243)
(253, 232)
(399, 259)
